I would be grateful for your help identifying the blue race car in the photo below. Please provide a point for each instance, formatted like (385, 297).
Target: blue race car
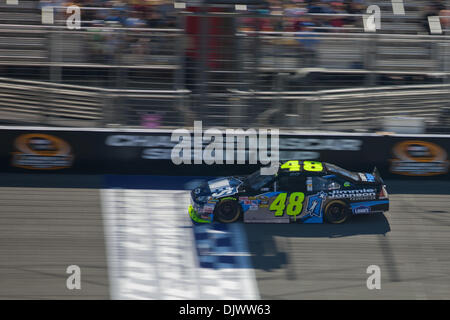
(300, 191)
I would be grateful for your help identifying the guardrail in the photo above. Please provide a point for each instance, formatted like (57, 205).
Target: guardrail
(33, 102)
(343, 109)
(44, 103)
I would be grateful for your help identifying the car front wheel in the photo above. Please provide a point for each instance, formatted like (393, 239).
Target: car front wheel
(227, 211)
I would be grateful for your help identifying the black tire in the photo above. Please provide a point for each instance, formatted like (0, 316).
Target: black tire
(227, 211)
(336, 212)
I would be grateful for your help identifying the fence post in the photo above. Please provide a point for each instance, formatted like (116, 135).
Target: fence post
(108, 108)
(316, 112)
(236, 101)
(371, 59)
(55, 67)
(280, 102)
(180, 76)
(45, 94)
(203, 56)
(446, 66)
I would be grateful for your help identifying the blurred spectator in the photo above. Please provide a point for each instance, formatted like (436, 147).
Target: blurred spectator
(290, 13)
(308, 44)
(134, 20)
(126, 13)
(353, 7)
(161, 13)
(445, 21)
(434, 8)
(151, 121)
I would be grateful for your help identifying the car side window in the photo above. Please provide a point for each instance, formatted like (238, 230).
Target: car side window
(322, 184)
(319, 184)
(292, 183)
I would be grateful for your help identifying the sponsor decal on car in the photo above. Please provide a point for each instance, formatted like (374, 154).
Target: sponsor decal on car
(205, 216)
(38, 151)
(314, 206)
(208, 208)
(419, 158)
(361, 210)
(309, 184)
(219, 184)
(254, 205)
(221, 187)
(358, 194)
(263, 201)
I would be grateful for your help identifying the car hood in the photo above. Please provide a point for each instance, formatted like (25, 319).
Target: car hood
(218, 188)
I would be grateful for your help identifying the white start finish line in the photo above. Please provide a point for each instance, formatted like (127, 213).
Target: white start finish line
(152, 251)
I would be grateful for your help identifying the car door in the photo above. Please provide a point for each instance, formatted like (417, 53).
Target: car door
(316, 196)
(289, 202)
(256, 206)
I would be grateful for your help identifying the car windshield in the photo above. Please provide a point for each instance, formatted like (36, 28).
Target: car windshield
(340, 171)
(257, 181)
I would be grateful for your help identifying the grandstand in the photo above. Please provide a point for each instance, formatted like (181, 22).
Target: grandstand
(17, 45)
(116, 74)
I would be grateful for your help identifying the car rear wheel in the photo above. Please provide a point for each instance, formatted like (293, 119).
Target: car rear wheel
(227, 211)
(336, 212)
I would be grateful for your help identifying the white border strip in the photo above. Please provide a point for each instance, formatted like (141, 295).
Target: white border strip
(108, 213)
(169, 131)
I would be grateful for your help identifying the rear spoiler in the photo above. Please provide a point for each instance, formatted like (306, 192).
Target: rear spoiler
(377, 176)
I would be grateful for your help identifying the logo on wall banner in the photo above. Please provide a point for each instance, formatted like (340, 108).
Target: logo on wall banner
(419, 158)
(38, 151)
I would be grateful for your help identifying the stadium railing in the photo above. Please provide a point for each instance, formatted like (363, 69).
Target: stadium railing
(143, 76)
(44, 103)
(359, 109)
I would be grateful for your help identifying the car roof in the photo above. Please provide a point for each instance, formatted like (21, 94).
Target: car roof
(325, 171)
(285, 170)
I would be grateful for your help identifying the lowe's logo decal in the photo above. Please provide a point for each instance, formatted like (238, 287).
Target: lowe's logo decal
(361, 210)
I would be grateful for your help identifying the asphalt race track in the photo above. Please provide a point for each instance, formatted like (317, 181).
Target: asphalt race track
(49, 222)
(45, 230)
